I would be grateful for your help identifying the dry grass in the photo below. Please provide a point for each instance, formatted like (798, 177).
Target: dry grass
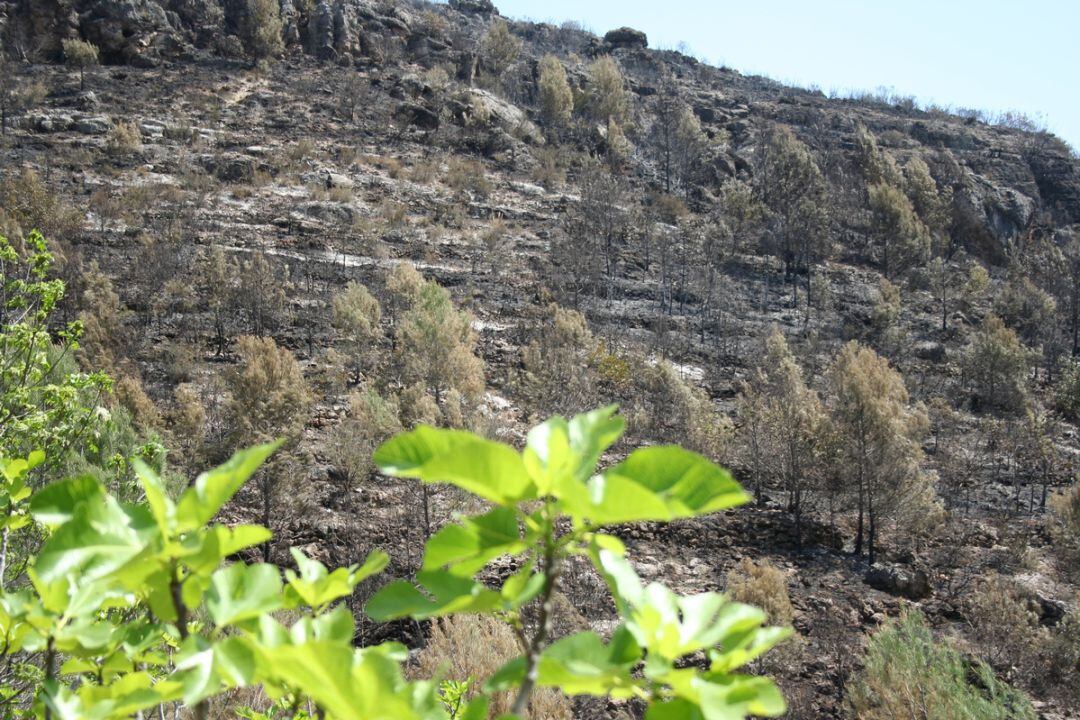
(475, 646)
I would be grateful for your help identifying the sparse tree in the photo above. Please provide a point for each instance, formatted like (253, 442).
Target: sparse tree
(932, 204)
(791, 185)
(995, 367)
(555, 362)
(784, 428)
(261, 292)
(606, 94)
(880, 455)
(262, 29)
(357, 314)
(499, 47)
(268, 399)
(79, 55)
(436, 346)
(219, 276)
(556, 97)
(901, 237)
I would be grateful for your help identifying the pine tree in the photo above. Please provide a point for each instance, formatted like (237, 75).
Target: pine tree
(784, 427)
(357, 314)
(880, 454)
(436, 347)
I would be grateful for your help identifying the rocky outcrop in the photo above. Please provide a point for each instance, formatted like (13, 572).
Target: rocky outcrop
(626, 37)
(481, 7)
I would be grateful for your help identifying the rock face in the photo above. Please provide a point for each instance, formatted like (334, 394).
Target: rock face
(626, 37)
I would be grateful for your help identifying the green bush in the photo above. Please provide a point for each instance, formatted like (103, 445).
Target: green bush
(910, 675)
(133, 608)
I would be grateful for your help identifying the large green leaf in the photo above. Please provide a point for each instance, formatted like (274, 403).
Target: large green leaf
(560, 456)
(440, 593)
(580, 664)
(350, 685)
(100, 537)
(212, 489)
(243, 592)
(55, 504)
(659, 484)
(483, 467)
(467, 547)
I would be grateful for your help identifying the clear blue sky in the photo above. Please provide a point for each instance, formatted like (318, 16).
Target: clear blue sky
(989, 54)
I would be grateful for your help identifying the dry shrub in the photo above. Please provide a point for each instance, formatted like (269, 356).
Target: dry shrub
(131, 395)
(424, 172)
(1004, 626)
(124, 138)
(763, 585)
(475, 646)
(468, 176)
(1065, 530)
(27, 203)
(549, 170)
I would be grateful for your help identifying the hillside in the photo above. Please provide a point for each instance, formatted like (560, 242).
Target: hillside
(633, 237)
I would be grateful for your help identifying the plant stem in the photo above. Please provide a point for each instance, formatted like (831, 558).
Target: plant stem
(551, 569)
(202, 709)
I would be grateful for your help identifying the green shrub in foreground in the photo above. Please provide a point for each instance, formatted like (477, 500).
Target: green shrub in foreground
(909, 675)
(135, 607)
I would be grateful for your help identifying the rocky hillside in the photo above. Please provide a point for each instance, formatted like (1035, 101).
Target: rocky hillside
(197, 193)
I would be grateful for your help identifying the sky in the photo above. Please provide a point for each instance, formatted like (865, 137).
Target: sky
(992, 55)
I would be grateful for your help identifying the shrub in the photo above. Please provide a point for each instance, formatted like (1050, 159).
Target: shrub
(762, 584)
(1002, 623)
(909, 675)
(606, 96)
(124, 138)
(499, 47)
(262, 29)
(372, 419)
(556, 98)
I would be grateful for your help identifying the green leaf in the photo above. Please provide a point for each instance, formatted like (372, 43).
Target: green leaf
(161, 505)
(560, 456)
(55, 504)
(316, 587)
(212, 489)
(100, 538)
(658, 484)
(483, 467)
(467, 547)
(243, 592)
(348, 684)
(582, 664)
(443, 593)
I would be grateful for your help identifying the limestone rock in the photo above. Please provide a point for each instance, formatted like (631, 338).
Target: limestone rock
(912, 583)
(626, 37)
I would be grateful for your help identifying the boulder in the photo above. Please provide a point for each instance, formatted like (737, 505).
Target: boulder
(912, 583)
(417, 115)
(482, 107)
(626, 37)
(930, 350)
(92, 124)
(480, 7)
